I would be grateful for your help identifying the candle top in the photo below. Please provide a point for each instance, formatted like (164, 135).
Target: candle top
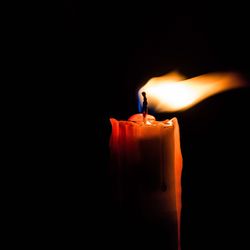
(148, 120)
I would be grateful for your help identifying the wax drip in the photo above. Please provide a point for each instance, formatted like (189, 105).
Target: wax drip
(163, 184)
(144, 106)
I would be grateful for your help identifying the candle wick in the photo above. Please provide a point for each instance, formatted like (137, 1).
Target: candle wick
(144, 106)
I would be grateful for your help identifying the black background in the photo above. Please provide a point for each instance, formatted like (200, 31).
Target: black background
(109, 51)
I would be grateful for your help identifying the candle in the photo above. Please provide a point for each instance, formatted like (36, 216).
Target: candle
(146, 159)
(146, 168)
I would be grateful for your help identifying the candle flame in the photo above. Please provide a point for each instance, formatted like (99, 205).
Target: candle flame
(173, 92)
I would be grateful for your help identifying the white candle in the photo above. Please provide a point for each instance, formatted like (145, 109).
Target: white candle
(146, 166)
(146, 160)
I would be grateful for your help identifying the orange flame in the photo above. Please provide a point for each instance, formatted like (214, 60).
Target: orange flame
(173, 92)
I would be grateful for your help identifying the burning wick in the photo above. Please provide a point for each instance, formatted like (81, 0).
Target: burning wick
(144, 106)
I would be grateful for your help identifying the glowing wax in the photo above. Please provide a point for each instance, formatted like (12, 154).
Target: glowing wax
(146, 167)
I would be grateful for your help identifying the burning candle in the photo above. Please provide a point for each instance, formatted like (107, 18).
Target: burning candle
(146, 159)
(147, 169)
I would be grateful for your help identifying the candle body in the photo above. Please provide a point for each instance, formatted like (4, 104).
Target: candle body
(146, 166)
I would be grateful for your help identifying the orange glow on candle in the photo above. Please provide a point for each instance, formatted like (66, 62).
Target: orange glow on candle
(148, 164)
